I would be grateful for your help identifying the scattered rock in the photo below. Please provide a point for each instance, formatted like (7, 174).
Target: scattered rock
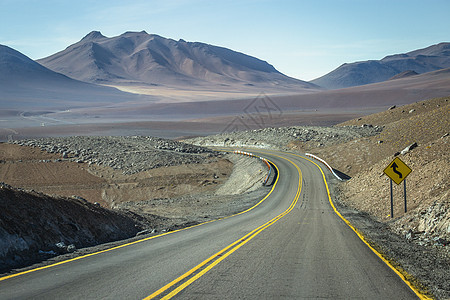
(392, 107)
(61, 245)
(145, 231)
(79, 198)
(129, 154)
(410, 235)
(409, 148)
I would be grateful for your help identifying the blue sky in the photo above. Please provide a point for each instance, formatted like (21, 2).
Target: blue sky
(302, 39)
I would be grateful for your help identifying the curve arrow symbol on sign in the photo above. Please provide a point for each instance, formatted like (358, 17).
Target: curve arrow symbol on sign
(394, 167)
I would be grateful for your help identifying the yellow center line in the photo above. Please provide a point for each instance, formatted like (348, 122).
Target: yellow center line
(400, 272)
(219, 256)
(138, 241)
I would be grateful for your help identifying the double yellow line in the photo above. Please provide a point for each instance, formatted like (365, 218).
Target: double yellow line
(180, 283)
(177, 285)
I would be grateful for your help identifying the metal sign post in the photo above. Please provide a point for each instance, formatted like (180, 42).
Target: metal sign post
(404, 192)
(397, 171)
(392, 201)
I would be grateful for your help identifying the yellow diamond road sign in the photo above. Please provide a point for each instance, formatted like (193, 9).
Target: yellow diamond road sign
(397, 170)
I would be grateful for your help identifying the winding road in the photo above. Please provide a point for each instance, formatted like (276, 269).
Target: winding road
(293, 244)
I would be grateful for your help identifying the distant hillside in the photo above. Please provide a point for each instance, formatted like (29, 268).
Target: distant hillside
(404, 75)
(142, 58)
(18, 70)
(24, 82)
(365, 72)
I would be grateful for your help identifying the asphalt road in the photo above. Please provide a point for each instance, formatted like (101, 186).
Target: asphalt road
(292, 245)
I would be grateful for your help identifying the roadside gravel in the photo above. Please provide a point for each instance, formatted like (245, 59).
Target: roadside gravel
(426, 264)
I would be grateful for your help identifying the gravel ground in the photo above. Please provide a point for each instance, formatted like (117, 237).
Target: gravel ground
(243, 189)
(129, 154)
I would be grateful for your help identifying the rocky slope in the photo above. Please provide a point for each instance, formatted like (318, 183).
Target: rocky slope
(420, 61)
(34, 226)
(424, 124)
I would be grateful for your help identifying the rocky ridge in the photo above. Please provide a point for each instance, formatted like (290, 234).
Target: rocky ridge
(279, 138)
(129, 154)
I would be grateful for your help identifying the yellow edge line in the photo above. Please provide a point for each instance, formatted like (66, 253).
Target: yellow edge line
(252, 234)
(138, 241)
(401, 273)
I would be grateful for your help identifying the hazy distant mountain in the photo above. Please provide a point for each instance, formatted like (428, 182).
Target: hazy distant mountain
(359, 73)
(142, 58)
(25, 82)
(18, 69)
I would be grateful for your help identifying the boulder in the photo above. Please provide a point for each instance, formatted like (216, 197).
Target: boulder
(409, 148)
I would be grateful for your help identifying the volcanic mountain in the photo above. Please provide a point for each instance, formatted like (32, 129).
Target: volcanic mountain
(25, 83)
(139, 58)
(425, 60)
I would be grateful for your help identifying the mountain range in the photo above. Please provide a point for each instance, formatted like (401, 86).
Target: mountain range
(420, 61)
(207, 86)
(139, 58)
(24, 82)
(184, 80)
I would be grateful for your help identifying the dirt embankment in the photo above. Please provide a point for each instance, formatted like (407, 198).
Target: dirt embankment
(242, 189)
(34, 226)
